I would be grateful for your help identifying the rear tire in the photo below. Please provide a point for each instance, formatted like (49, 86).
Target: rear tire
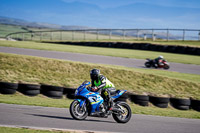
(147, 64)
(76, 112)
(125, 117)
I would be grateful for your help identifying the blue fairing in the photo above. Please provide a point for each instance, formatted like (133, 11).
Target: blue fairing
(93, 97)
(119, 94)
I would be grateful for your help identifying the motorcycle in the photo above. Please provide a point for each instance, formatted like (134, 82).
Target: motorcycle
(88, 103)
(162, 64)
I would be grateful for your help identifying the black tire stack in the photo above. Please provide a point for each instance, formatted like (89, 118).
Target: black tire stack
(195, 104)
(142, 100)
(29, 89)
(55, 92)
(8, 88)
(69, 92)
(161, 102)
(181, 104)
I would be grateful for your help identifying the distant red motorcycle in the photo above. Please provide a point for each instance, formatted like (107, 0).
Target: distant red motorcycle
(162, 64)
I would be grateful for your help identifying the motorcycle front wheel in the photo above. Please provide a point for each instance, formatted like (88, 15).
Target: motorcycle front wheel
(125, 116)
(77, 112)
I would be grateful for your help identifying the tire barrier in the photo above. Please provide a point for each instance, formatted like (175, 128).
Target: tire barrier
(195, 104)
(29, 89)
(181, 104)
(57, 92)
(8, 88)
(142, 100)
(70, 92)
(161, 102)
(140, 46)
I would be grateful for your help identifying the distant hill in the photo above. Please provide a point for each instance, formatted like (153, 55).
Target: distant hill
(20, 22)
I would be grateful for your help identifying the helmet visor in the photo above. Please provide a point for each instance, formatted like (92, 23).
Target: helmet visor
(93, 76)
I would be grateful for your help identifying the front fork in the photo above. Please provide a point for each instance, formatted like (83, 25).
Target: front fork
(82, 102)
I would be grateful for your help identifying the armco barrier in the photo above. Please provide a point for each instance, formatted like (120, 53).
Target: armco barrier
(57, 92)
(138, 46)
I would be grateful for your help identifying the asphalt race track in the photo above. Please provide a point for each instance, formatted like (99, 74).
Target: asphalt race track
(137, 63)
(59, 118)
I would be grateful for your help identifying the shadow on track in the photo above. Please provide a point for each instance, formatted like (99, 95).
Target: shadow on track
(69, 118)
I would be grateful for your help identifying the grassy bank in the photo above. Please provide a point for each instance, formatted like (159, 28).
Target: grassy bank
(65, 103)
(25, 130)
(15, 68)
(138, 54)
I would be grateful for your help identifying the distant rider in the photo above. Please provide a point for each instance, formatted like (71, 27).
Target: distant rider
(158, 61)
(101, 84)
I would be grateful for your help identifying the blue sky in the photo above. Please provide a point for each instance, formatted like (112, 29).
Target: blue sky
(184, 14)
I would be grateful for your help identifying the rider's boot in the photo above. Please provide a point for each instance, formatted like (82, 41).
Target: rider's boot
(110, 106)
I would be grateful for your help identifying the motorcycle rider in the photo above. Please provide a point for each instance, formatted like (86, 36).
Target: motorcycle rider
(158, 61)
(101, 84)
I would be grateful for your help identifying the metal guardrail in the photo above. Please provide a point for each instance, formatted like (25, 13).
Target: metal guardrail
(109, 34)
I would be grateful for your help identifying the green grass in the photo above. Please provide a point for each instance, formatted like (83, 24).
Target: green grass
(41, 100)
(18, 68)
(25, 130)
(7, 29)
(138, 54)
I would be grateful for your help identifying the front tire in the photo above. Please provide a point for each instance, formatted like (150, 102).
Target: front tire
(125, 116)
(77, 112)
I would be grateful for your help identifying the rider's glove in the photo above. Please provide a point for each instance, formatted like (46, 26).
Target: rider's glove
(94, 89)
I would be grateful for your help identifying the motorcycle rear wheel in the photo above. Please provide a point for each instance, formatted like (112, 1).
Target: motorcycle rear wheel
(77, 112)
(147, 64)
(125, 116)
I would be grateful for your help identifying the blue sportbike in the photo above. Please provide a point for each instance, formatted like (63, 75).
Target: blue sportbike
(88, 103)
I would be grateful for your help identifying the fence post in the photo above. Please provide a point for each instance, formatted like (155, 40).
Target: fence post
(183, 34)
(73, 35)
(17, 36)
(124, 34)
(153, 34)
(31, 36)
(51, 35)
(97, 38)
(40, 36)
(154, 37)
(167, 34)
(145, 37)
(199, 35)
(110, 34)
(137, 34)
(22, 36)
(84, 34)
(61, 35)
